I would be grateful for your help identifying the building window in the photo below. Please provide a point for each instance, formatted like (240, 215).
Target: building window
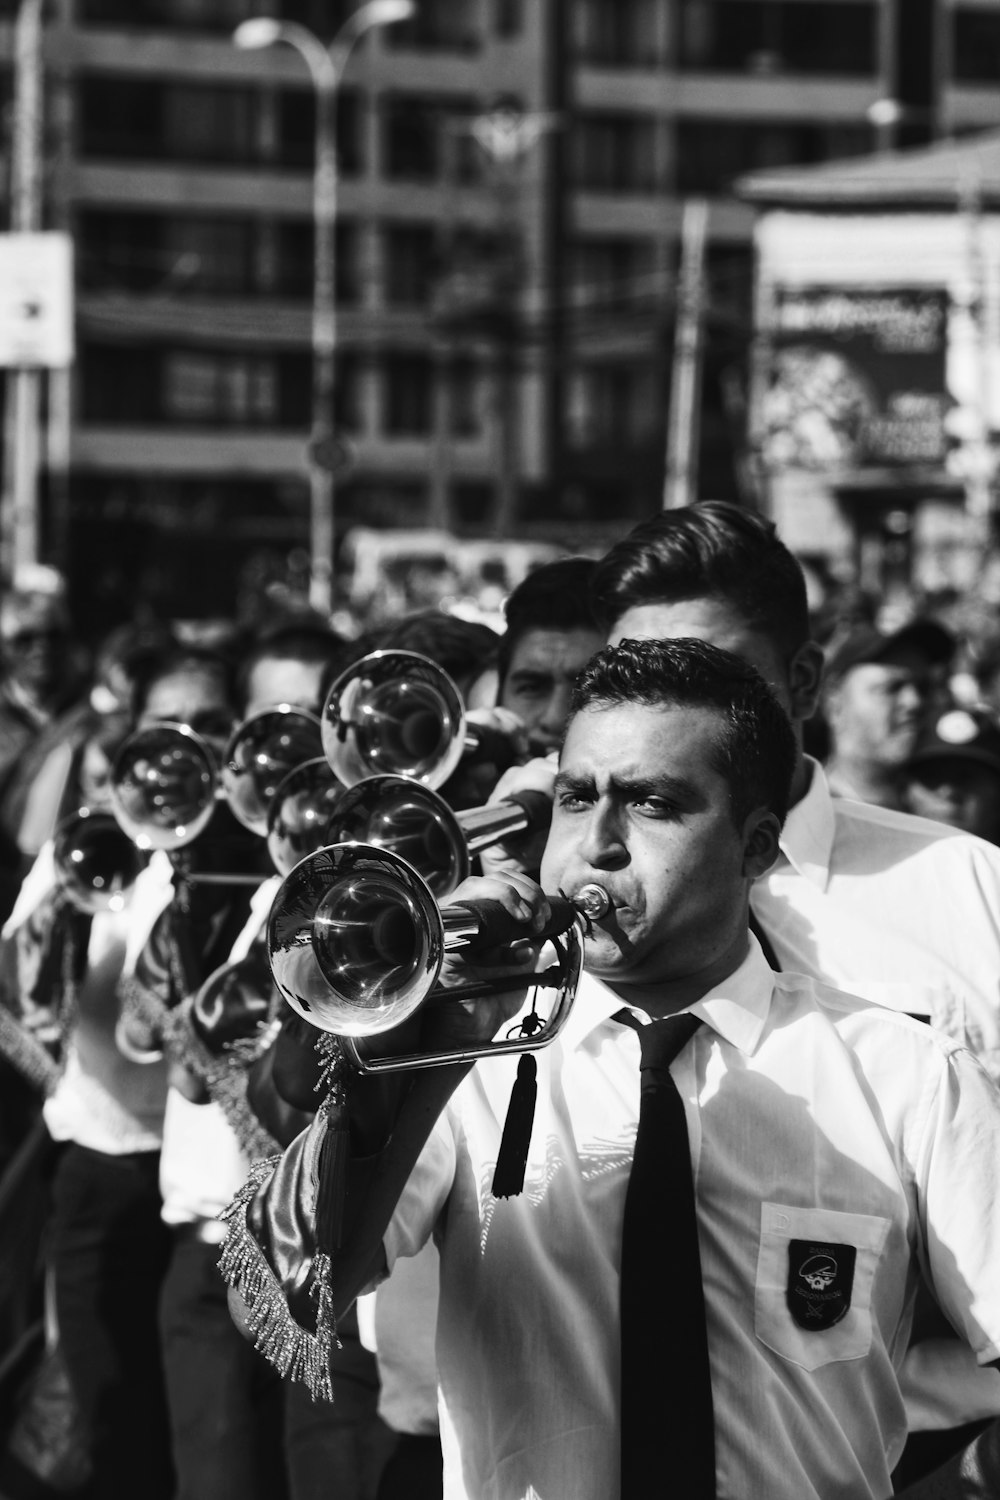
(194, 15)
(135, 119)
(779, 36)
(976, 46)
(121, 252)
(611, 406)
(615, 33)
(210, 255)
(296, 109)
(408, 395)
(411, 138)
(439, 26)
(411, 262)
(466, 397)
(613, 153)
(220, 389)
(711, 154)
(508, 17)
(613, 275)
(294, 260)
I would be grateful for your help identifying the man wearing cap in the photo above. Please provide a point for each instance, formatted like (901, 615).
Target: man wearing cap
(953, 775)
(879, 688)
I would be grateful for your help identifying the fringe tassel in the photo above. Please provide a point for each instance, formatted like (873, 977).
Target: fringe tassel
(512, 1158)
(135, 1000)
(224, 1075)
(294, 1352)
(26, 1054)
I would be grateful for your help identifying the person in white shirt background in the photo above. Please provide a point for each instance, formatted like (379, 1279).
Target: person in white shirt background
(879, 690)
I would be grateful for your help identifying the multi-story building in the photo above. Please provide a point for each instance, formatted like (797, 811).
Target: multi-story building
(512, 180)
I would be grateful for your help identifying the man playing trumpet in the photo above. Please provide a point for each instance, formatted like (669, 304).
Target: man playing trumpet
(706, 1285)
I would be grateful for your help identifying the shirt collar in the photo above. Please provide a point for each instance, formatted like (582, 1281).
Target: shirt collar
(737, 1008)
(808, 834)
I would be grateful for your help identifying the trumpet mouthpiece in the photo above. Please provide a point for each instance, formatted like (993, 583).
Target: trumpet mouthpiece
(593, 901)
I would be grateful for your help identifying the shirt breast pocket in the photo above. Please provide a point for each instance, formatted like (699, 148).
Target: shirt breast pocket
(815, 1272)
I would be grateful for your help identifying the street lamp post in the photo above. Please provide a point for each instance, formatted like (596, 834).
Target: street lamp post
(326, 68)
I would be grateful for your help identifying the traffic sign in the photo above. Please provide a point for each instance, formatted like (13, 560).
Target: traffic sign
(36, 300)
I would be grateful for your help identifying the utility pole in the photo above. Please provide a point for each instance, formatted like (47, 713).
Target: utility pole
(22, 406)
(680, 483)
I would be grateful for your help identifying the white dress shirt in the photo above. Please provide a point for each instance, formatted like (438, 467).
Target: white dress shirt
(811, 1117)
(900, 910)
(102, 1100)
(905, 912)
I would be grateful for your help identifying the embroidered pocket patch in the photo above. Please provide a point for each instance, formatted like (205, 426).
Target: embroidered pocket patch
(820, 1283)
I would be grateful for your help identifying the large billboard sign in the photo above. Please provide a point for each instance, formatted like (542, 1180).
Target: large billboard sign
(855, 379)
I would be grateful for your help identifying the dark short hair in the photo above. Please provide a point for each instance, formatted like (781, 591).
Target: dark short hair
(556, 596)
(754, 749)
(178, 658)
(464, 648)
(305, 641)
(709, 550)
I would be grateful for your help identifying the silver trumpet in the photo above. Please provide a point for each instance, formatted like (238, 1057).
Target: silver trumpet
(300, 811)
(167, 780)
(398, 713)
(411, 820)
(164, 785)
(96, 861)
(356, 944)
(261, 753)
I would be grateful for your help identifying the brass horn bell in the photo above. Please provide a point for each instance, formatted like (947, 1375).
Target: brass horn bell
(397, 713)
(356, 944)
(299, 813)
(411, 820)
(164, 784)
(260, 754)
(96, 861)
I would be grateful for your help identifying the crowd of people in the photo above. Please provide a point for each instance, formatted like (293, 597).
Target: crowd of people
(746, 1250)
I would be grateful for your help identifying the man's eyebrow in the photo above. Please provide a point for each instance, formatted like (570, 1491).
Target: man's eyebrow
(566, 781)
(670, 788)
(539, 671)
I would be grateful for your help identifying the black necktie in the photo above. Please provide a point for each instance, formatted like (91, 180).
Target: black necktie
(668, 1433)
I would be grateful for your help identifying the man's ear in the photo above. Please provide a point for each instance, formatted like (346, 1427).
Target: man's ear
(805, 677)
(761, 833)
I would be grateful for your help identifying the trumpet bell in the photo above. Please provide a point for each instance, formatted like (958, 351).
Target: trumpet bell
(394, 712)
(96, 862)
(163, 786)
(408, 819)
(260, 754)
(299, 813)
(353, 942)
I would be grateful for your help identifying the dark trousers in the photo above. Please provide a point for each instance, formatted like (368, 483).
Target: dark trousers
(241, 1433)
(414, 1472)
(109, 1255)
(225, 1400)
(338, 1452)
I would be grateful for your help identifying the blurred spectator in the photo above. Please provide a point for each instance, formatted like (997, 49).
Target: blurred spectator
(953, 775)
(465, 649)
(879, 690)
(288, 665)
(51, 776)
(40, 677)
(551, 634)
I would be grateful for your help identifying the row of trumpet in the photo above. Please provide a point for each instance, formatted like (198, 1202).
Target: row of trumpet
(368, 848)
(393, 728)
